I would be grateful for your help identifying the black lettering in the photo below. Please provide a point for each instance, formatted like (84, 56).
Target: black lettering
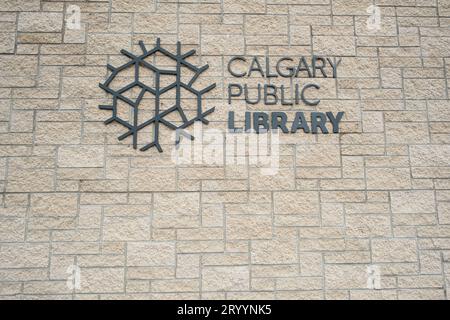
(335, 120)
(300, 123)
(230, 91)
(234, 74)
(305, 100)
(279, 120)
(318, 120)
(255, 66)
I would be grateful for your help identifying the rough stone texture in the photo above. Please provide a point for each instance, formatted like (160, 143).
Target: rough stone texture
(138, 226)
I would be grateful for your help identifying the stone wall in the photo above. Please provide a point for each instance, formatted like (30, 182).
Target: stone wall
(357, 215)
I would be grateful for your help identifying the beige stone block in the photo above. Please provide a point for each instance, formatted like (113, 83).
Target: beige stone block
(22, 121)
(346, 276)
(352, 167)
(226, 278)
(334, 46)
(388, 26)
(149, 273)
(300, 35)
(262, 284)
(407, 133)
(126, 229)
(183, 203)
(373, 295)
(421, 294)
(430, 262)
(46, 287)
(200, 234)
(59, 265)
(430, 155)
(149, 254)
(153, 179)
(373, 121)
(296, 203)
(425, 88)
(188, 266)
(133, 6)
(300, 283)
(257, 206)
(29, 274)
(363, 226)
(284, 251)
(12, 230)
(266, 24)
(40, 22)
(444, 212)
(128, 210)
(137, 286)
(391, 77)
(420, 201)
(81, 156)
(444, 7)
(241, 7)
(10, 289)
(103, 186)
(52, 205)
(324, 155)
(18, 65)
(356, 67)
(212, 215)
(7, 42)
(370, 207)
(228, 259)
(222, 45)
(332, 214)
(175, 285)
(58, 133)
(435, 46)
(21, 5)
(325, 244)
(107, 43)
(34, 180)
(39, 37)
(102, 280)
(388, 178)
(311, 264)
(422, 281)
(433, 231)
(81, 87)
(248, 227)
(438, 110)
(206, 246)
(342, 196)
(176, 221)
(394, 250)
(75, 36)
(351, 7)
(283, 179)
(155, 23)
(23, 255)
(347, 257)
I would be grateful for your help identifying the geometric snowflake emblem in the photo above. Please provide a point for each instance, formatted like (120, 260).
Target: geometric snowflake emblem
(138, 122)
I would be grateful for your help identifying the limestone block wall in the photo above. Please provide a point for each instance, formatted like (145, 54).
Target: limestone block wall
(363, 214)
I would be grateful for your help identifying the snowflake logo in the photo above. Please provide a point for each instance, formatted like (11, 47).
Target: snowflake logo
(127, 104)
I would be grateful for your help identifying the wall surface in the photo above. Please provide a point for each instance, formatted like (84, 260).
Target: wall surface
(361, 214)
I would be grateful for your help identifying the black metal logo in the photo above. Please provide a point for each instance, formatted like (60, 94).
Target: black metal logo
(142, 66)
